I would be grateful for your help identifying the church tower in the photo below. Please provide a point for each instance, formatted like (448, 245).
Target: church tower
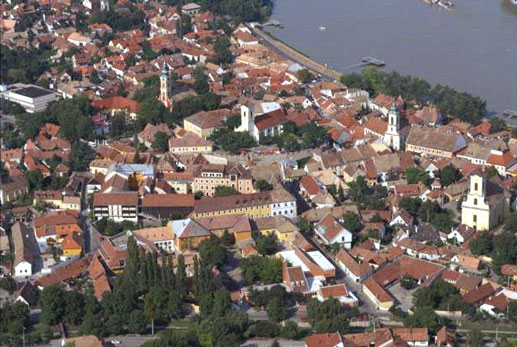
(392, 137)
(165, 87)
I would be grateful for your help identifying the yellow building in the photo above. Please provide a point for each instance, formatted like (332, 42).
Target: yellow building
(188, 234)
(210, 176)
(72, 244)
(204, 123)
(190, 143)
(283, 228)
(236, 225)
(487, 203)
(256, 205)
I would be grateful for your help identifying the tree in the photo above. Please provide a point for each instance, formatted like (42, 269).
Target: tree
(475, 338)
(114, 324)
(290, 330)
(175, 305)
(74, 307)
(212, 253)
(275, 310)
(267, 245)
(225, 191)
(261, 269)
(304, 76)
(201, 85)
(449, 175)
(263, 185)
(424, 317)
(481, 245)
(161, 142)
(442, 221)
(352, 222)
(275, 344)
(504, 249)
(415, 175)
(497, 125)
(136, 323)
(52, 304)
(223, 53)
(327, 316)
(408, 282)
(510, 223)
(222, 303)
(14, 317)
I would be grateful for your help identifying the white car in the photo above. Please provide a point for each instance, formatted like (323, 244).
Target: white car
(115, 342)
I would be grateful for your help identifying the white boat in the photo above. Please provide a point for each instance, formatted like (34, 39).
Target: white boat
(322, 28)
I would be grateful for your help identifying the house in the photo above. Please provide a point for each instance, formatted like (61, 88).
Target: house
(84, 341)
(498, 304)
(331, 232)
(78, 40)
(190, 143)
(461, 234)
(357, 271)
(113, 252)
(313, 263)
(294, 278)
(375, 292)
(325, 340)
(13, 188)
(339, 292)
(487, 203)
(429, 115)
(510, 271)
(280, 226)
(191, 9)
(147, 136)
(437, 142)
(237, 225)
(28, 294)
(478, 295)
(161, 237)
(204, 123)
(167, 205)
(412, 336)
(445, 338)
(188, 234)
(402, 218)
(466, 263)
(207, 177)
(260, 124)
(117, 104)
(23, 250)
(118, 206)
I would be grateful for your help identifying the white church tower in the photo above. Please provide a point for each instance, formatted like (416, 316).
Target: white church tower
(165, 87)
(392, 136)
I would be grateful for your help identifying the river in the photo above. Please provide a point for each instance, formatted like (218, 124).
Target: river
(472, 48)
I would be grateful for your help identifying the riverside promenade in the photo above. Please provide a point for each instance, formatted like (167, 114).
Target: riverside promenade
(296, 56)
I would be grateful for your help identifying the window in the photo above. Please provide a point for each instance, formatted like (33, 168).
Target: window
(475, 218)
(475, 201)
(476, 187)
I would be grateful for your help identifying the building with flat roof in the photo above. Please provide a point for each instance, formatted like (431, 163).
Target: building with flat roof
(32, 98)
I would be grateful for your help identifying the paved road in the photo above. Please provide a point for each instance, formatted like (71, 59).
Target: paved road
(268, 342)
(296, 56)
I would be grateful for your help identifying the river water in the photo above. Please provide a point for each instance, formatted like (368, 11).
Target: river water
(472, 48)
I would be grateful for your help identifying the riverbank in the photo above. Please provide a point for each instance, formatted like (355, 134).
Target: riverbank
(471, 49)
(296, 56)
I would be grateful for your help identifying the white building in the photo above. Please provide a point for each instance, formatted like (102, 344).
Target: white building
(23, 250)
(116, 206)
(330, 231)
(487, 203)
(31, 98)
(259, 124)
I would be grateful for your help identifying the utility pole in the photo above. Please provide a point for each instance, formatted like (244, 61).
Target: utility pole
(152, 327)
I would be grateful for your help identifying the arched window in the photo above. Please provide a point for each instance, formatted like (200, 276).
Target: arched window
(476, 187)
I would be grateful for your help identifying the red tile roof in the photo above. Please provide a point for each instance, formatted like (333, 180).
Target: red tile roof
(270, 119)
(117, 103)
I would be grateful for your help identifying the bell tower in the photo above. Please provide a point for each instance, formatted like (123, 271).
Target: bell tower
(392, 137)
(165, 86)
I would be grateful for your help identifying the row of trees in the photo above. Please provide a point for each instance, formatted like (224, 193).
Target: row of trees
(450, 102)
